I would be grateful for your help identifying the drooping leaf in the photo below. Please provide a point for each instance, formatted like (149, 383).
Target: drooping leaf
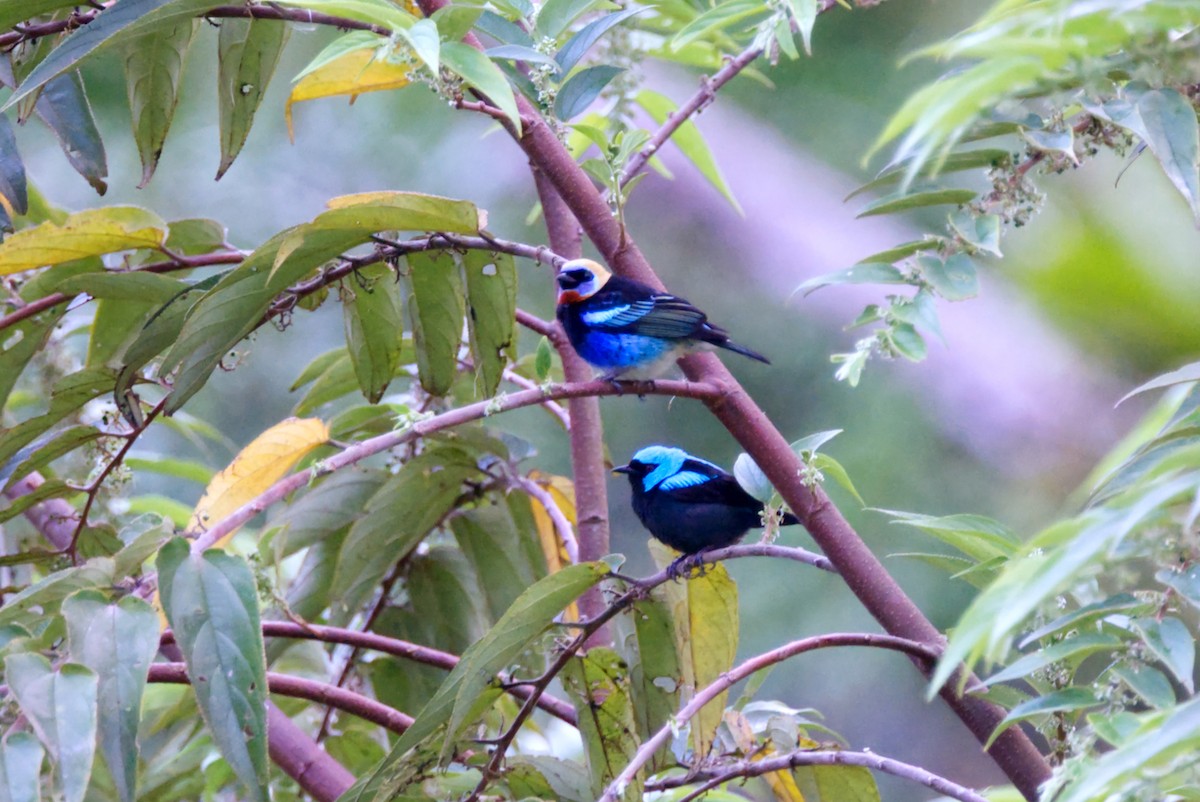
(804, 12)
(264, 461)
(117, 642)
(248, 52)
(579, 44)
(112, 26)
(1147, 682)
(153, 68)
(655, 672)
(374, 328)
(491, 281)
(14, 11)
(437, 309)
(547, 777)
(21, 767)
(63, 105)
(599, 685)
(13, 187)
(396, 518)
(1186, 374)
(69, 395)
(211, 602)
(689, 141)
(489, 538)
(1170, 641)
(358, 68)
(43, 451)
(89, 233)
(444, 598)
(61, 705)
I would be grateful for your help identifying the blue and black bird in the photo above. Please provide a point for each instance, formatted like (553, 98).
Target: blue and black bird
(689, 503)
(630, 330)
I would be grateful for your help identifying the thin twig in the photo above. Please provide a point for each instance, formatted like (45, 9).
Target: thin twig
(561, 525)
(702, 697)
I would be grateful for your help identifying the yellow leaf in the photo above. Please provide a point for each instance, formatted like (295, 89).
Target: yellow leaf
(90, 233)
(562, 491)
(705, 612)
(259, 465)
(353, 74)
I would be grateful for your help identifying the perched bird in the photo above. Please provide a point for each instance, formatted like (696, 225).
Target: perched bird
(689, 503)
(628, 329)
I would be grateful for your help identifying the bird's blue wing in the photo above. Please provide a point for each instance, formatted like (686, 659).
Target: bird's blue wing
(665, 316)
(684, 479)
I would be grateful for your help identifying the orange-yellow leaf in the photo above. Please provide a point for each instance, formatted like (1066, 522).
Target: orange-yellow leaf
(353, 74)
(562, 491)
(259, 465)
(89, 233)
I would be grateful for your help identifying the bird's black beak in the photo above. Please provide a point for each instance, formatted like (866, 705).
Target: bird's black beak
(622, 469)
(566, 282)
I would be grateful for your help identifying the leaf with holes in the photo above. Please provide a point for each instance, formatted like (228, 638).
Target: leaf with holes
(491, 280)
(437, 306)
(248, 52)
(374, 328)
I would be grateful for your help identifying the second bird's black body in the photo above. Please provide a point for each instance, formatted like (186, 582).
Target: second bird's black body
(688, 503)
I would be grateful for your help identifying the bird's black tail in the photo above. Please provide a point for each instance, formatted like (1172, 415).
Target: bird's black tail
(743, 350)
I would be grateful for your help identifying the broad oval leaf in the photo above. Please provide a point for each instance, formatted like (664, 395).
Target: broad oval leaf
(21, 767)
(599, 684)
(89, 233)
(211, 601)
(153, 68)
(248, 52)
(374, 327)
(118, 642)
(482, 74)
(582, 88)
(437, 306)
(491, 280)
(61, 705)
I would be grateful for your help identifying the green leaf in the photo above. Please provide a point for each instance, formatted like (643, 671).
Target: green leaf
(1184, 375)
(489, 538)
(579, 44)
(153, 68)
(1169, 640)
(1077, 619)
(578, 92)
(14, 11)
(376, 12)
(831, 467)
(63, 105)
(845, 784)
(69, 395)
(61, 706)
(955, 279)
(599, 685)
(1173, 135)
(546, 777)
(483, 75)
(543, 361)
(491, 280)
(211, 601)
(977, 537)
(705, 612)
(423, 36)
(1147, 682)
(905, 200)
(1065, 650)
(981, 232)
(524, 621)
(554, 16)
(907, 341)
(722, 16)
(862, 273)
(396, 518)
(804, 12)
(12, 172)
(21, 767)
(49, 592)
(248, 52)
(445, 600)
(334, 504)
(374, 327)
(955, 162)
(520, 53)
(656, 676)
(903, 251)
(1067, 700)
(118, 23)
(689, 141)
(43, 451)
(437, 308)
(118, 642)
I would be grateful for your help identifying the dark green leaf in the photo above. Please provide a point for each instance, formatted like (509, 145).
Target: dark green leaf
(52, 488)
(582, 88)
(502, 30)
(955, 279)
(1067, 700)
(43, 451)
(444, 595)
(12, 174)
(211, 602)
(862, 273)
(48, 593)
(61, 706)
(1171, 131)
(904, 200)
(1186, 582)
(112, 26)
(579, 44)
(1069, 649)
(248, 52)
(396, 518)
(489, 538)
(333, 504)
(491, 280)
(437, 308)
(14, 11)
(654, 670)
(69, 395)
(520, 53)
(1147, 682)
(19, 343)
(554, 16)
(374, 328)
(21, 767)
(117, 642)
(64, 107)
(153, 68)
(338, 380)
(126, 286)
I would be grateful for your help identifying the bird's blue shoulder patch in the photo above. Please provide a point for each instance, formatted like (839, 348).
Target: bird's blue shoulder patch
(684, 479)
(621, 314)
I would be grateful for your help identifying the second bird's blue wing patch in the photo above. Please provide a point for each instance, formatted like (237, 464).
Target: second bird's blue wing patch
(683, 479)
